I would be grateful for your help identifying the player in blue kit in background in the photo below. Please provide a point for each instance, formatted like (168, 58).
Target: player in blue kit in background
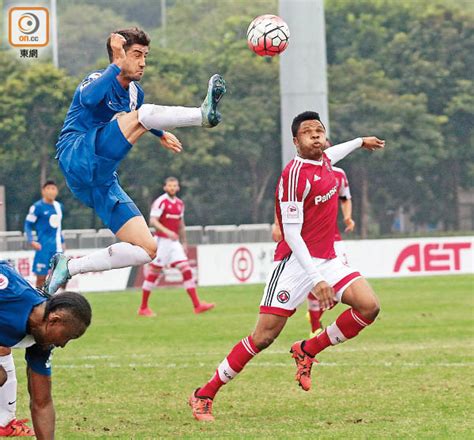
(45, 216)
(29, 319)
(106, 117)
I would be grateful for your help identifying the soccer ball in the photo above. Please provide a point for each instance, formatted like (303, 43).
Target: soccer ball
(268, 35)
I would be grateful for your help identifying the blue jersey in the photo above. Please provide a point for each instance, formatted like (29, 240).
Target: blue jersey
(96, 101)
(46, 219)
(17, 300)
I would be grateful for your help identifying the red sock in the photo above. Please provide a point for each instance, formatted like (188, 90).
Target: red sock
(315, 319)
(347, 326)
(315, 312)
(146, 288)
(233, 364)
(190, 285)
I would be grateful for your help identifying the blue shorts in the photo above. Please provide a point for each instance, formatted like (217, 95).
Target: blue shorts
(92, 177)
(41, 261)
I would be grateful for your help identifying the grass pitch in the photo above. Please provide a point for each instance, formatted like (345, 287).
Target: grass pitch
(410, 375)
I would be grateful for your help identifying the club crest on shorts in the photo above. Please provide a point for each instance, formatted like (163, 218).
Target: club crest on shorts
(283, 296)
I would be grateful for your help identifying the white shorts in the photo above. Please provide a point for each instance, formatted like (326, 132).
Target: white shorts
(169, 252)
(288, 285)
(340, 249)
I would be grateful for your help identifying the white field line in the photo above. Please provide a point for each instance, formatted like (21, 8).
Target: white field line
(265, 365)
(371, 348)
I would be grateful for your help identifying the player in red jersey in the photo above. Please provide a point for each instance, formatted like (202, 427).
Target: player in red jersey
(315, 312)
(167, 217)
(306, 207)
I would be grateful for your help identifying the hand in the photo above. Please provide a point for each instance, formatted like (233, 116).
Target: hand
(172, 235)
(350, 224)
(276, 233)
(117, 42)
(324, 293)
(372, 143)
(171, 142)
(36, 246)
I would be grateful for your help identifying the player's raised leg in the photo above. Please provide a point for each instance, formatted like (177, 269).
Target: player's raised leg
(9, 425)
(364, 309)
(159, 117)
(267, 330)
(138, 247)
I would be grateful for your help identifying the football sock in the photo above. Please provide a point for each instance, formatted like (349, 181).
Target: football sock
(315, 312)
(160, 117)
(233, 364)
(347, 326)
(8, 391)
(190, 284)
(148, 284)
(114, 257)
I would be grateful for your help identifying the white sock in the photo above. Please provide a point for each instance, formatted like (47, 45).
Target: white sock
(162, 117)
(114, 257)
(8, 391)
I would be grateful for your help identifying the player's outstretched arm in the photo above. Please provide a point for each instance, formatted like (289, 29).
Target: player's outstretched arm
(41, 405)
(340, 151)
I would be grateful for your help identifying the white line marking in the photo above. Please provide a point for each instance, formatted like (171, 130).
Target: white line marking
(269, 365)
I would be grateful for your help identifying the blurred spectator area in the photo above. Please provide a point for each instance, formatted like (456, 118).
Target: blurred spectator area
(91, 238)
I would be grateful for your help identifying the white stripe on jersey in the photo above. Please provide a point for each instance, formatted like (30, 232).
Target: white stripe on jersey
(294, 176)
(156, 209)
(59, 212)
(307, 189)
(290, 181)
(133, 95)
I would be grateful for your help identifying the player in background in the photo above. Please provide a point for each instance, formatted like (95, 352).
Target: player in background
(106, 118)
(306, 206)
(29, 319)
(167, 217)
(45, 216)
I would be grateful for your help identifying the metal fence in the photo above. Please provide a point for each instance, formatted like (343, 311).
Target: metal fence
(91, 238)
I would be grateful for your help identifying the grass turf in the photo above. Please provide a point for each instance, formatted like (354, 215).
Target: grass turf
(410, 375)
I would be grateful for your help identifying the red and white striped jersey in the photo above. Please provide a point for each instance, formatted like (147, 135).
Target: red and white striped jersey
(307, 193)
(344, 193)
(169, 211)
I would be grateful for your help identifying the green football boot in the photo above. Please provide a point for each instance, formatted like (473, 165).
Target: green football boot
(215, 91)
(58, 275)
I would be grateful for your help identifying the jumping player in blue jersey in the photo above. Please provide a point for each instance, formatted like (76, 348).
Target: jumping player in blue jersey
(106, 117)
(31, 320)
(45, 216)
